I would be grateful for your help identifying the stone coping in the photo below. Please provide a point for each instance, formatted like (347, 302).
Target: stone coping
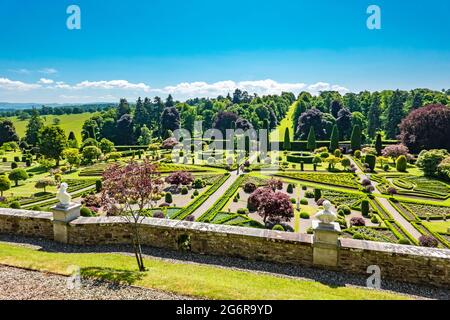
(26, 213)
(202, 227)
(394, 248)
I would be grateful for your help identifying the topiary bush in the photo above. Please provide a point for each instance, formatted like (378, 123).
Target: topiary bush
(14, 205)
(357, 154)
(290, 188)
(14, 165)
(168, 198)
(243, 211)
(371, 160)
(365, 207)
(249, 187)
(198, 184)
(98, 186)
(304, 215)
(304, 202)
(401, 164)
(278, 227)
(357, 222)
(309, 194)
(196, 193)
(428, 241)
(86, 212)
(184, 190)
(344, 209)
(317, 194)
(158, 214)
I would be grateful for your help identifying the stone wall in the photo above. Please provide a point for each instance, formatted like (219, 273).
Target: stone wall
(399, 262)
(203, 238)
(428, 266)
(27, 223)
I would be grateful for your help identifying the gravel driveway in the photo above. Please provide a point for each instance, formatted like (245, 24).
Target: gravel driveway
(19, 284)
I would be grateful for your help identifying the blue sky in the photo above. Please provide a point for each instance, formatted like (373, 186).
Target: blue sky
(203, 47)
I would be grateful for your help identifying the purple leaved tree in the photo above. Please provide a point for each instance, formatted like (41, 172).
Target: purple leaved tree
(129, 191)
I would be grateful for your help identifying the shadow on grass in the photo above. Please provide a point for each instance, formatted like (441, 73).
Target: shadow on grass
(113, 275)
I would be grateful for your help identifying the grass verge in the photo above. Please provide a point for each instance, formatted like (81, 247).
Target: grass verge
(182, 278)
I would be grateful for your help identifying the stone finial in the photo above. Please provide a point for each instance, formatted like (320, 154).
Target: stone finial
(63, 196)
(326, 215)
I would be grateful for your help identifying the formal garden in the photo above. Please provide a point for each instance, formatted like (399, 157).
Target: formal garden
(380, 189)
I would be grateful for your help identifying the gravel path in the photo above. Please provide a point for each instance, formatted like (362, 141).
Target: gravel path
(327, 277)
(20, 284)
(216, 195)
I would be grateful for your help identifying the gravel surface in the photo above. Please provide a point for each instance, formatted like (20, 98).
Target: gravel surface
(20, 284)
(327, 277)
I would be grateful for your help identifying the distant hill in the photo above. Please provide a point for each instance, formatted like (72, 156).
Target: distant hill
(24, 106)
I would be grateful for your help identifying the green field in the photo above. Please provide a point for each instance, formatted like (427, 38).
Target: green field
(278, 133)
(69, 122)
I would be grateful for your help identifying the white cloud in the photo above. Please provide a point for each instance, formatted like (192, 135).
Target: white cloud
(16, 85)
(109, 90)
(261, 87)
(45, 81)
(113, 84)
(48, 71)
(323, 86)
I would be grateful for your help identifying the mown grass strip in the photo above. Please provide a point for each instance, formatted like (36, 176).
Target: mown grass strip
(184, 278)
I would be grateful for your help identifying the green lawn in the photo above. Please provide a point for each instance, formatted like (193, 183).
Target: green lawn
(183, 278)
(278, 134)
(69, 122)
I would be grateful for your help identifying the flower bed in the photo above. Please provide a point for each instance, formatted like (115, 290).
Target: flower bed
(424, 211)
(373, 233)
(74, 186)
(348, 180)
(343, 198)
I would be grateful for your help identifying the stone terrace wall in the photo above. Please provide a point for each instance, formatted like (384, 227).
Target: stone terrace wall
(404, 263)
(28, 223)
(399, 262)
(211, 239)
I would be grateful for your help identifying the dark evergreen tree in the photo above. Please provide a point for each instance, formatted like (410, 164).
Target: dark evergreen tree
(141, 116)
(123, 108)
(170, 120)
(34, 126)
(287, 140)
(374, 122)
(311, 144)
(125, 132)
(394, 114)
(378, 144)
(7, 131)
(169, 102)
(336, 106)
(334, 140)
(356, 138)
(344, 123)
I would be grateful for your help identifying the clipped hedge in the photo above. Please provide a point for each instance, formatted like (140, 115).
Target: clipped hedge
(299, 158)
